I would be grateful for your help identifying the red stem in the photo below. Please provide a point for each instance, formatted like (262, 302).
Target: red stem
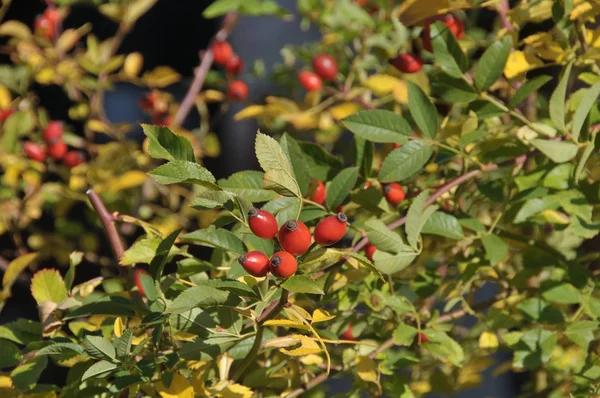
(108, 223)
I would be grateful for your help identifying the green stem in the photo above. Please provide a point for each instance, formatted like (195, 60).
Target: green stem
(251, 355)
(499, 104)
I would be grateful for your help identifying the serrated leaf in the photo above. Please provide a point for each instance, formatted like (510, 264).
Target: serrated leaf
(98, 369)
(557, 151)
(14, 269)
(200, 296)
(381, 237)
(340, 187)
(303, 284)
(557, 100)
(582, 332)
(534, 206)
(378, 126)
(495, 248)
(98, 347)
(491, 64)
(178, 171)
(590, 98)
(48, 285)
(453, 90)
(229, 285)
(281, 182)
(414, 222)
(299, 166)
(123, 343)
(141, 252)
(422, 110)
(388, 263)
(447, 51)
(214, 237)
(249, 185)
(278, 170)
(323, 166)
(562, 293)
(164, 144)
(221, 7)
(60, 349)
(404, 162)
(443, 224)
(159, 261)
(404, 334)
(529, 87)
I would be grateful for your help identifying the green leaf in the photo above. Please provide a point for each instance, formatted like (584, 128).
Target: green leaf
(164, 144)
(582, 332)
(590, 98)
(422, 110)
(14, 127)
(147, 282)
(178, 171)
(378, 126)
(26, 376)
(558, 177)
(562, 293)
(557, 151)
(303, 284)
(388, 263)
(279, 175)
(416, 218)
(406, 161)
(448, 54)
(364, 261)
(382, 238)
(98, 369)
(557, 100)
(453, 90)
(48, 285)
(141, 252)
(61, 349)
(534, 206)
(443, 224)
(98, 347)
(11, 354)
(109, 305)
(214, 237)
(221, 7)
(294, 154)
(341, 186)
(491, 64)
(200, 296)
(281, 182)
(404, 335)
(323, 166)
(123, 343)
(495, 248)
(249, 185)
(529, 87)
(159, 261)
(74, 260)
(229, 285)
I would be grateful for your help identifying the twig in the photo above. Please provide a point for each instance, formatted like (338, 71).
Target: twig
(273, 309)
(251, 355)
(108, 222)
(205, 64)
(503, 8)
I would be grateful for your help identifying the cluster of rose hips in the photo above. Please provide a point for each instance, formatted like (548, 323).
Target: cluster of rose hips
(294, 237)
(324, 68)
(224, 55)
(46, 25)
(412, 63)
(157, 104)
(54, 148)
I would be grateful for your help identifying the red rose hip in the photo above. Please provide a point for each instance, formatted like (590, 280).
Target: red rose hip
(34, 151)
(320, 194)
(57, 150)
(238, 91)
(394, 193)
(262, 223)
(420, 338)
(234, 65)
(52, 132)
(454, 24)
(294, 237)
(331, 229)
(138, 280)
(310, 81)
(283, 265)
(347, 335)
(222, 51)
(325, 66)
(407, 63)
(370, 251)
(74, 158)
(255, 263)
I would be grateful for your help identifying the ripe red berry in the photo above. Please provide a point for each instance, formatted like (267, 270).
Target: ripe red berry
(262, 223)
(147, 103)
(394, 193)
(407, 63)
(74, 158)
(45, 27)
(370, 251)
(367, 185)
(331, 229)
(320, 193)
(57, 150)
(420, 338)
(294, 237)
(52, 132)
(234, 65)
(450, 20)
(138, 280)
(347, 335)
(238, 91)
(255, 263)
(222, 51)
(310, 81)
(362, 2)
(325, 66)
(34, 151)
(283, 264)
(5, 113)
(396, 145)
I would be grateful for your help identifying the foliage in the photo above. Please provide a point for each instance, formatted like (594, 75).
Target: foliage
(500, 170)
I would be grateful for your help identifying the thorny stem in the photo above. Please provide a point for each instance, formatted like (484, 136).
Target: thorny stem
(205, 64)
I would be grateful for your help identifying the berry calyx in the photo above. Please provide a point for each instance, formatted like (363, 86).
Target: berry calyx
(52, 132)
(294, 237)
(370, 251)
(331, 229)
(234, 65)
(325, 66)
(310, 81)
(454, 24)
(407, 63)
(420, 338)
(222, 51)
(320, 193)
(57, 150)
(255, 263)
(34, 151)
(238, 91)
(347, 335)
(283, 264)
(138, 280)
(73, 158)
(394, 193)
(262, 223)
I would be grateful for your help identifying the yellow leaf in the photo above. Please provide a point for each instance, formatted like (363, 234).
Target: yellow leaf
(5, 97)
(136, 9)
(286, 323)
(118, 327)
(321, 316)
(70, 37)
(133, 65)
(420, 386)
(131, 179)
(180, 388)
(331, 38)
(161, 76)
(236, 391)
(298, 313)
(344, 110)
(112, 11)
(280, 342)
(584, 9)
(98, 126)
(520, 62)
(366, 368)
(183, 336)
(15, 29)
(48, 285)
(381, 84)
(214, 96)
(400, 92)
(15, 267)
(307, 346)
(555, 217)
(250, 112)
(45, 76)
(414, 11)
(488, 340)
(312, 359)
(77, 182)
